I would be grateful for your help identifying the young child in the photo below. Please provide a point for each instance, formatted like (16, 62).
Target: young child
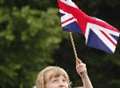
(56, 77)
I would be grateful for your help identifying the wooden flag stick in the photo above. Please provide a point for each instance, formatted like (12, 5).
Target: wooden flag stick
(73, 45)
(74, 49)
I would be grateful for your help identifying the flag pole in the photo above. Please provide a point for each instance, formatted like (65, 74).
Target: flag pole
(73, 46)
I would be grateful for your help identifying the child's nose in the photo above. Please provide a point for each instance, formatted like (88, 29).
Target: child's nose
(62, 83)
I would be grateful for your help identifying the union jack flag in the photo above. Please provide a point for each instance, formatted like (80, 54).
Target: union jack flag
(98, 33)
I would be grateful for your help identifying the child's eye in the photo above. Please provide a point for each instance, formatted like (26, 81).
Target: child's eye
(55, 80)
(64, 80)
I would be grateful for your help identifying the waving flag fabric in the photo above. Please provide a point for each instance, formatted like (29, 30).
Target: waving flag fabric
(98, 33)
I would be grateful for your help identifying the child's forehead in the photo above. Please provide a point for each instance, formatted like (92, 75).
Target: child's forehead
(54, 74)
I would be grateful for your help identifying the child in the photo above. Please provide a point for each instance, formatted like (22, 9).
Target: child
(56, 77)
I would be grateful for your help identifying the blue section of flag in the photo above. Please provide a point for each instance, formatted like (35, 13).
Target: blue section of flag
(61, 14)
(72, 27)
(115, 37)
(95, 42)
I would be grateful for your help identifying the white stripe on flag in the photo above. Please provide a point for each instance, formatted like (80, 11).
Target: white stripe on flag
(68, 22)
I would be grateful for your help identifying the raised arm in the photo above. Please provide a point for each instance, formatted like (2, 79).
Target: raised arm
(82, 71)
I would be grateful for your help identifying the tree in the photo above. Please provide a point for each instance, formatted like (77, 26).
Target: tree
(28, 36)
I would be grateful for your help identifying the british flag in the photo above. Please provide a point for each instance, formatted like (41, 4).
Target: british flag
(98, 33)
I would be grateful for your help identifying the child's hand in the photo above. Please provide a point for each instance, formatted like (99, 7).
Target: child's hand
(80, 67)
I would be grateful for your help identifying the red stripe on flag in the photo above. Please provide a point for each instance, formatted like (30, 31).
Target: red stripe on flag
(77, 13)
(67, 20)
(109, 38)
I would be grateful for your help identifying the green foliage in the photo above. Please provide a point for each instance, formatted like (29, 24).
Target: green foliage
(28, 37)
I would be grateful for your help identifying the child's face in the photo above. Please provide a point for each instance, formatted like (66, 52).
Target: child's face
(57, 82)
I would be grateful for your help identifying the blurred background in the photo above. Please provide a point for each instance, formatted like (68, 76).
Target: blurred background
(31, 38)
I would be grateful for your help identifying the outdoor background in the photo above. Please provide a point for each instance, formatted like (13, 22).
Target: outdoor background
(31, 38)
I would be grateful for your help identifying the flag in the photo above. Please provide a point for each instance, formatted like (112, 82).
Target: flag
(98, 33)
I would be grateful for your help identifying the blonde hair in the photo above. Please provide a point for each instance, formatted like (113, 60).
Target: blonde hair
(56, 71)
